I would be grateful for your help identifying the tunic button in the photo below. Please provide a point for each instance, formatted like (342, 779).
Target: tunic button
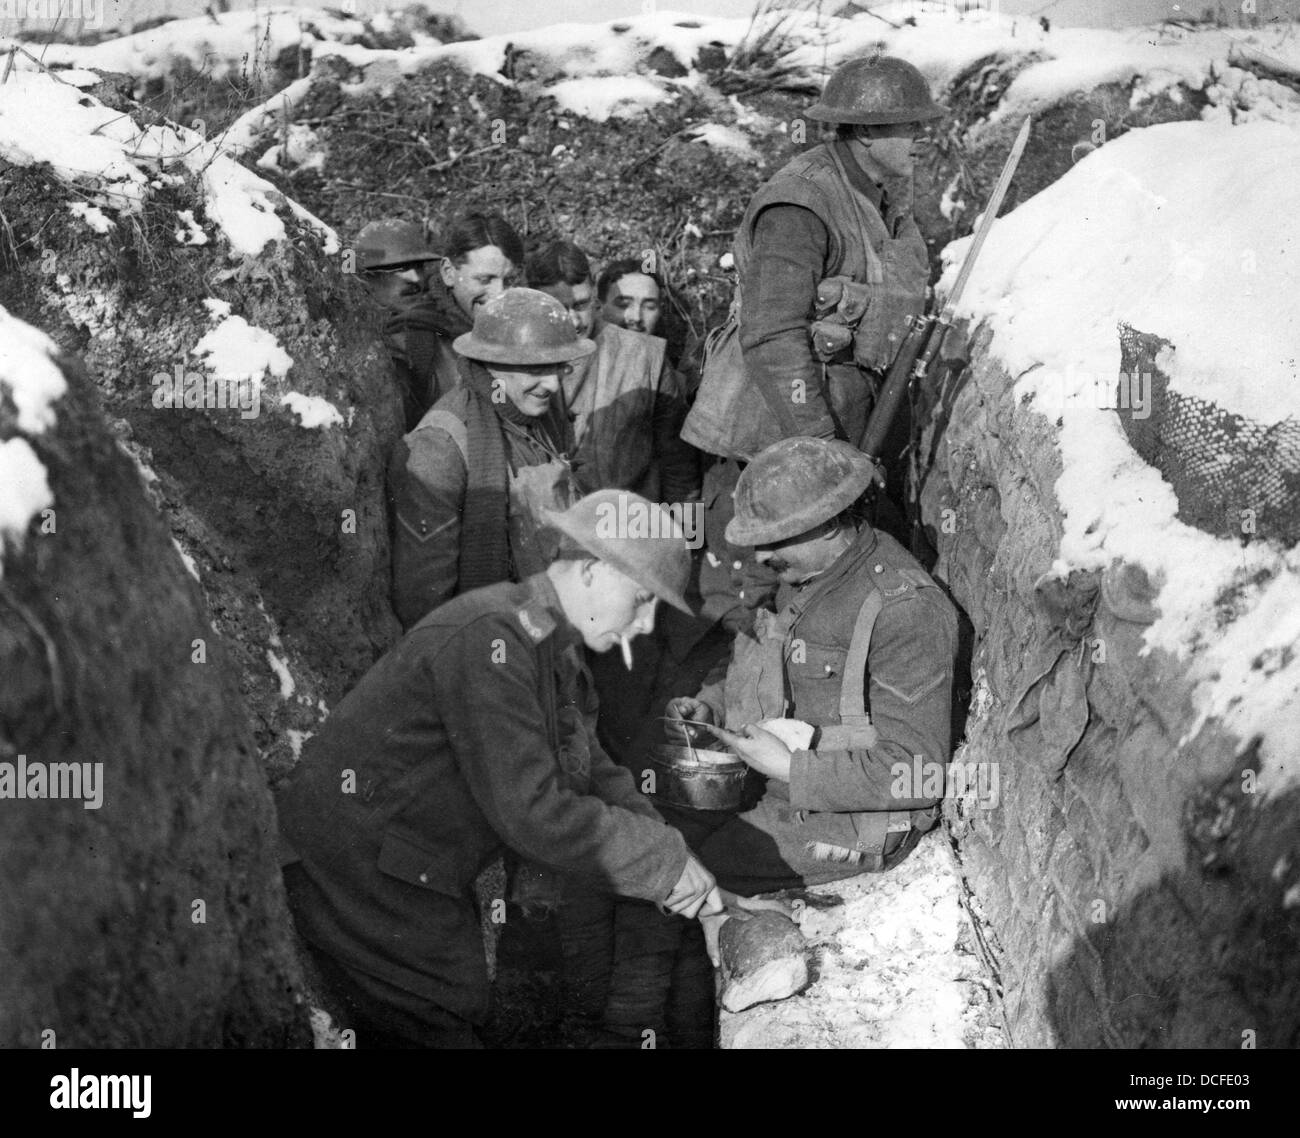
(880, 568)
(424, 527)
(829, 670)
(737, 564)
(424, 879)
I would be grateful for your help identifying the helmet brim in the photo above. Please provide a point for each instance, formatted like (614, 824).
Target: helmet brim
(751, 532)
(366, 265)
(823, 113)
(610, 553)
(469, 346)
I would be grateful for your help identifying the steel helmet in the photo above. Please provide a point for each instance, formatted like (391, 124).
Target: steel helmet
(793, 486)
(391, 241)
(639, 538)
(523, 326)
(875, 90)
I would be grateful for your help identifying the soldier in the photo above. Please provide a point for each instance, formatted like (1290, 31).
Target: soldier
(630, 297)
(626, 399)
(392, 262)
(862, 647)
(481, 257)
(831, 267)
(469, 484)
(466, 738)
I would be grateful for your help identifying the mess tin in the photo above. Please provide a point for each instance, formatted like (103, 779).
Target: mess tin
(700, 779)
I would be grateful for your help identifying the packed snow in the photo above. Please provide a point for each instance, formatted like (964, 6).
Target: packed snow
(1188, 231)
(117, 164)
(601, 70)
(314, 413)
(29, 379)
(237, 351)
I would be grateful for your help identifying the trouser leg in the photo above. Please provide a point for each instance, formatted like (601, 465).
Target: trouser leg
(645, 947)
(764, 849)
(585, 923)
(386, 1017)
(692, 1001)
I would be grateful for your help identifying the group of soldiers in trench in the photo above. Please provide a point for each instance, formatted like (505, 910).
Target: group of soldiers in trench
(551, 455)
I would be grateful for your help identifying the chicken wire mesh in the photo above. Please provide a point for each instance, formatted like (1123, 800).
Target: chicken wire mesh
(1233, 476)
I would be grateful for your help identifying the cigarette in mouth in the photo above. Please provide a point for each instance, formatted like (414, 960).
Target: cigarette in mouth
(626, 645)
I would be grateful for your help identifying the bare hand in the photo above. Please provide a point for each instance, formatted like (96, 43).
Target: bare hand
(695, 892)
(686, 707)
(761, 750)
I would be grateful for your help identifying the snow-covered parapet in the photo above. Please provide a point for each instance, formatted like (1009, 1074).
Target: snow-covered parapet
(117, 163)
(1154, 231)
(226, 44)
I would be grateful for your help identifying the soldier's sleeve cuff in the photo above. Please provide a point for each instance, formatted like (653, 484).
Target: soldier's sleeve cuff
(802, 789)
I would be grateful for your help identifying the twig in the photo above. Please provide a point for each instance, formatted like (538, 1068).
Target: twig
(39, 63)
(378, 193)
(448, 163)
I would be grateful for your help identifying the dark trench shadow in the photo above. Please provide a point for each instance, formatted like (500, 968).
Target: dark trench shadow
(1206, 957)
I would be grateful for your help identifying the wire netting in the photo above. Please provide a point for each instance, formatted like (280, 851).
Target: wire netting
(1233, 476)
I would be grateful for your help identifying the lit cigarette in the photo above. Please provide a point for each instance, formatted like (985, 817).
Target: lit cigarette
(627, 652)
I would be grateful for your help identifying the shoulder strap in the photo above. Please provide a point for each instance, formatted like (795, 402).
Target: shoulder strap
(869, 221)
(853, 706)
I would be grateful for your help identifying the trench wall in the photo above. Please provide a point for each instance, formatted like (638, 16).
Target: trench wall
(1131, 892)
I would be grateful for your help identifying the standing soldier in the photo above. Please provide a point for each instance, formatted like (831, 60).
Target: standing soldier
(831, 268)
(481, 257)
(626, 399)
(393, 259)
(469, 484)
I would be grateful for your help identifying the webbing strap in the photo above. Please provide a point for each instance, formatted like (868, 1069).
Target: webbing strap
(853, 705)
(871, 224)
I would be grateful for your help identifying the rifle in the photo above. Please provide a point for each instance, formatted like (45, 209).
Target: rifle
(926, 334)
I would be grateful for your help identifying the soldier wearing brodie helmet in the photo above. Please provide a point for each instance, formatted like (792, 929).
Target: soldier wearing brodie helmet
(831, 267)
(464, 739)
(861, 647)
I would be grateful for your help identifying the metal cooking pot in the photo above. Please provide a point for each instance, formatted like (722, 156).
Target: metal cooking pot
(700, 779)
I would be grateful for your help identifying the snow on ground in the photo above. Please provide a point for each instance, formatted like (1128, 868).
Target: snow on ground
(602, 97)
(232, 45)
(116, 163)
(281, 669)
(894, 968)
(313, 412)
(30, 380)
(236, 350)
(1188, 231)
(599, 70)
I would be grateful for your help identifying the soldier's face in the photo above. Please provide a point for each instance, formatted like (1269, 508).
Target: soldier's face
(799, 559)
(530, 387)
(578, 301)
(613, 607)
(633, 301)
(396, 287)
(895, 147)
(484, 273)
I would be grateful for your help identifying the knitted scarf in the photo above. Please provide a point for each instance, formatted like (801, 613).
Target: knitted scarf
(417, 327)
(485, 535)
